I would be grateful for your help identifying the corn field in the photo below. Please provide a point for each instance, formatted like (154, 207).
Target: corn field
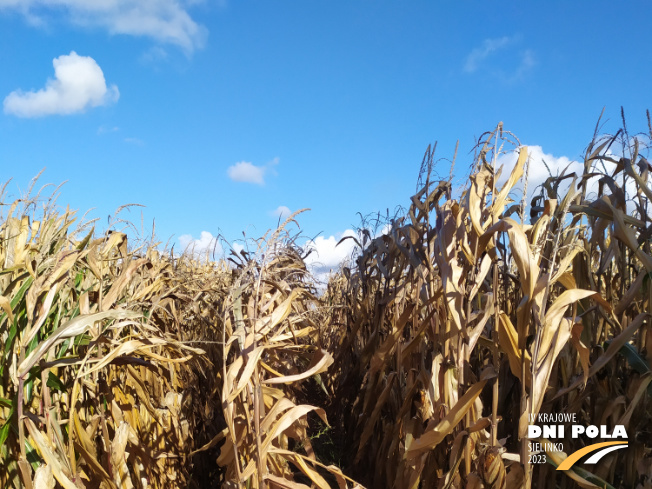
(421, 363)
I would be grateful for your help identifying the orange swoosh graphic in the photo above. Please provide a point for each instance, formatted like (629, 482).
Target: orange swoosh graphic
(574, 457)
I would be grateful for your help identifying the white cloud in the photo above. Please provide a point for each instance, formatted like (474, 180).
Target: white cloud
(327, 256)
(207, 244)
(525, 59)
(166, 21)
(488, 47)
(244, 171)
(282, 212)
(77, 85)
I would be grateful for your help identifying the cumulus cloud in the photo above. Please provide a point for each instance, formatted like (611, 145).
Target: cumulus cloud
(78, 84)
(326, 255)
(245, 171)
(206, 244)
(166, 21)
(282, 212)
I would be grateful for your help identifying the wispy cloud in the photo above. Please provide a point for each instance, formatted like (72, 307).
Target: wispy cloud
(78, 84)
(166, 21)
(154, 55)
(107, 129)
(489, 46)
(245, 171)
(512, 64)
(136, 141)
(527, 63)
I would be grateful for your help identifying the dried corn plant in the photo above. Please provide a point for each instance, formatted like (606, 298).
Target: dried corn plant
(421, 365)
(90, 393)
(462, 322)
(271, 346)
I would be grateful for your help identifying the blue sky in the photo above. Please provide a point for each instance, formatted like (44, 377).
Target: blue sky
(215, 114)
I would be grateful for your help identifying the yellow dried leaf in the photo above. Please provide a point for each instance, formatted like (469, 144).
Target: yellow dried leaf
(50, 457)
(320, 363)
(435, 436)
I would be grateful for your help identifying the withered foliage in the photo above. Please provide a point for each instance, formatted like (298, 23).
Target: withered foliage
(420, 365)
(464, 321)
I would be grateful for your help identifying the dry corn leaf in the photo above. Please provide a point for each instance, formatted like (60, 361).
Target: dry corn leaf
(498, 205)
(52, 459)
(95, 465)
(614, 347)
(265, 325)
(314, 476)
(123, 434)
(64, 262)
(435, 436)
(115, 240)
(380, 357)
(320, 362)
(640, 392)
(121, 282)
(44, 312)
(43, 478)
(370, 423)
(582, 350)
(288, 419)
(284, 483)
(72, 328)
(508, 340)
(5, 304)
